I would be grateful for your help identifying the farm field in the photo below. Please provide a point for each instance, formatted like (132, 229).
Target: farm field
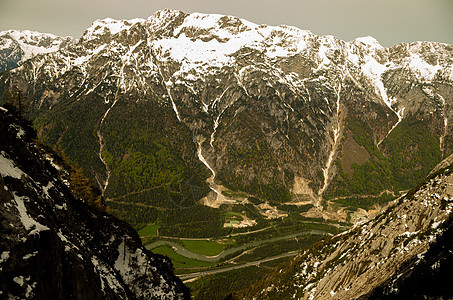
(149, 230)
(208, 248)
(179, 261)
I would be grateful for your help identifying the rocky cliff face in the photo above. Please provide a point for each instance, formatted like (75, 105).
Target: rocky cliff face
(16, 46)
(277, 112)
(403, 253)
(53, 246)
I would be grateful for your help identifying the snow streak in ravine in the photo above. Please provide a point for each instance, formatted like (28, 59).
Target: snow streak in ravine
(400, 115)
(336, 133)
(210, 180)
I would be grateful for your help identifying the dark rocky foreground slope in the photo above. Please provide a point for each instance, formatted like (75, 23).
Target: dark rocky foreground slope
(53, 246)
(406, 252)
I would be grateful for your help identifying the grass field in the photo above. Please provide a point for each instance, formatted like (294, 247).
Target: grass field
(150, 230)
(208, 248)
(180, 261)
(231, 215)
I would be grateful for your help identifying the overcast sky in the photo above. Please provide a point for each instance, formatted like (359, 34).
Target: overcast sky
(389, 21)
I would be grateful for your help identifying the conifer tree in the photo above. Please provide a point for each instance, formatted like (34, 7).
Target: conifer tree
(84, 190)
(17, 99)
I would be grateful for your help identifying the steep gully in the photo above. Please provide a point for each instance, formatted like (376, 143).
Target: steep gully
(103, 186)
(400, 115)
(212, 185)
(336, 132)
(121, 84)
(444, 133)
(216, 121)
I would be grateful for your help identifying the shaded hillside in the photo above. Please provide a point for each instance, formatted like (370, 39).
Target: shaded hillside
(54, 246)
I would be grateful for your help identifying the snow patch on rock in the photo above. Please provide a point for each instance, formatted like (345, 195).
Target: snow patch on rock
(7, 167)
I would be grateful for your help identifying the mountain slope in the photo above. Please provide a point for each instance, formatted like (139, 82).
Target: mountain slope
(404, 252)
(54, 246)
(16, 46)
(276, 112)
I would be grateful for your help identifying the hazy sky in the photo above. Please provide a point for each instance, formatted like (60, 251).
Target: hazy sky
(389, 21)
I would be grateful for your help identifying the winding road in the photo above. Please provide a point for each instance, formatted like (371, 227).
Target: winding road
(179, 249)
(186, 277)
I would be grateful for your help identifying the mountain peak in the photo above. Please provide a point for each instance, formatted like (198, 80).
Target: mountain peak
(368, 41)
(34, 38)
(16, 46)
(111, 26)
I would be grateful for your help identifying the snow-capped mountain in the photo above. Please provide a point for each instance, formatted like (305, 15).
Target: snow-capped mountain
(54, 246)
(405, 252)
(275, 111)
(16, 46)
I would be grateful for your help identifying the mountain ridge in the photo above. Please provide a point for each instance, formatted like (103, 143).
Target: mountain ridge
(16, 46)
(267, 106)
